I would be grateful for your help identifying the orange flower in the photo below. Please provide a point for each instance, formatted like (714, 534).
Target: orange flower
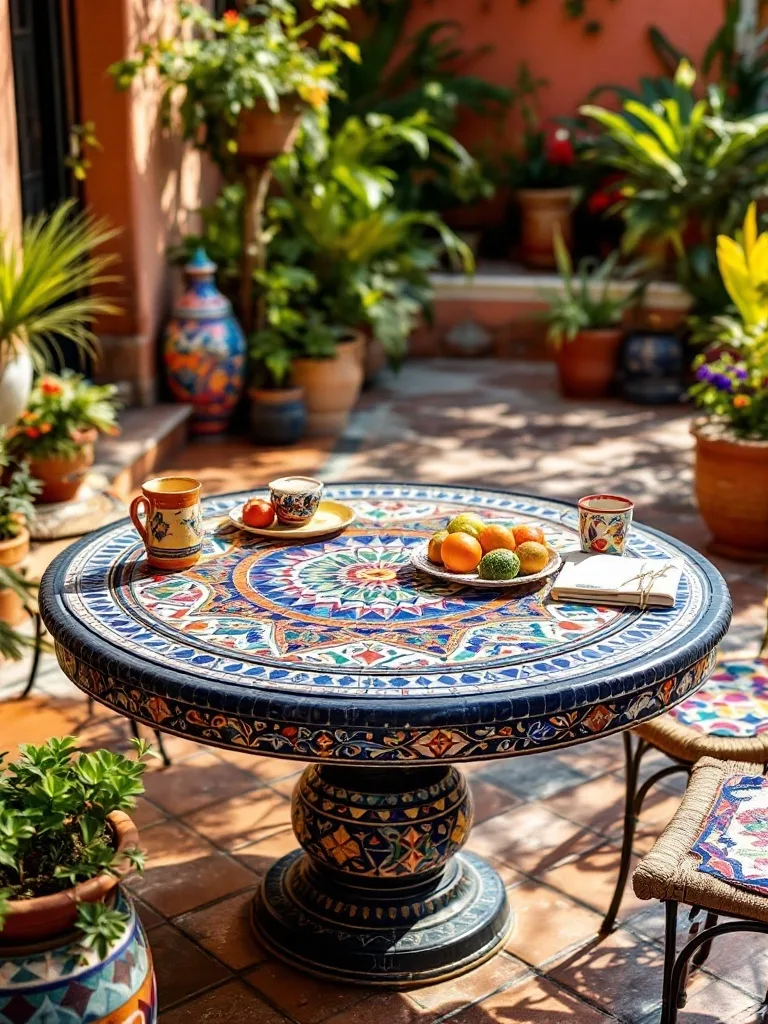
(230, 18)
(742, 401)
(316, 97)
(50, 387)
(27, 417)
(45, 428)
(32, 432)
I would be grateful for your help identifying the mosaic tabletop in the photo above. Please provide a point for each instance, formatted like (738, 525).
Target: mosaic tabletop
(339, 649)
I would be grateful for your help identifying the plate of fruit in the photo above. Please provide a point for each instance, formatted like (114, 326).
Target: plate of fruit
(487, 553)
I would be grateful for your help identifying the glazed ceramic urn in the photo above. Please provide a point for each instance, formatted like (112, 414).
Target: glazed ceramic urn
(204, 349)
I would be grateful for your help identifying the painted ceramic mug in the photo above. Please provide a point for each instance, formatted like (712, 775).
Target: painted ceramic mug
(604, 522)
(295, 498)
(172, 530)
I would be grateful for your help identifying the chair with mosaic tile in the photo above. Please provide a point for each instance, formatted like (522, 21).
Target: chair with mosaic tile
(726, 719)
(710, 857)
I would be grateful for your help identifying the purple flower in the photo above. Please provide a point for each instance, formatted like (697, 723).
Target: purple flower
(722, 382)
(703, 373)
(741, 373)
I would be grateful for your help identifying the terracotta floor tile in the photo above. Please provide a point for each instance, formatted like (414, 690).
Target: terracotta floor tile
(176, 747)
(530, 838)
(597, 756)
(535, 776)
(286, 786)
(243, 819)
(267, 769)
(591, 877)
(196, 782)
(598, 804)
(537, 1001)
(718, 1003)
(488, 977)
(621, 974)
(145, 813)
(225, 930)
(149, 917)
(184, 871)
(384, 1008)
(490, 800)
(183, 969)
(36, 719)
(304, 998)
(547, 923)
(259, 857)
(233, 1003)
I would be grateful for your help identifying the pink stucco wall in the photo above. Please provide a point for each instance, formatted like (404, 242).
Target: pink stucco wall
(557, 48)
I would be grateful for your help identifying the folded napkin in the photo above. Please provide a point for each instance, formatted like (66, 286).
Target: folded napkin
(611, 579)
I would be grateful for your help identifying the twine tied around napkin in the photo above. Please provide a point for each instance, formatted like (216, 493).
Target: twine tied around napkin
(645, 581)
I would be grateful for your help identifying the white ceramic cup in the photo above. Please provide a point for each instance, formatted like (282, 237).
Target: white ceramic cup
(604, 522)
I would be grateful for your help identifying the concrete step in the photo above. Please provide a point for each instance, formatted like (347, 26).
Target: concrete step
(147, 439)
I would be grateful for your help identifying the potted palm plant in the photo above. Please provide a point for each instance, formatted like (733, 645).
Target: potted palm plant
(46, 294)
(65, 842)
(17, 490)
(58, 431)
(585, 324)
(732, 391)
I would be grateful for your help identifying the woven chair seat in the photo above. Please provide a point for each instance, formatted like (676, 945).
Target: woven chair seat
(670, 871)
(727, 718)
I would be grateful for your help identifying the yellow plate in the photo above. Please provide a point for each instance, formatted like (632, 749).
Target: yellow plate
(331, 516)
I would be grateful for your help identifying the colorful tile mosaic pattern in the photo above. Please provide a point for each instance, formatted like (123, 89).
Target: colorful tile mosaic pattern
(733, 844)
(344, 633)
(70, 985)
(733, 702)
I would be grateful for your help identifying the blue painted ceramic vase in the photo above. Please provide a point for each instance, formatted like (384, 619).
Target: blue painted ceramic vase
(651, 367)
(63, 982)
(277, 416)
(204, 350)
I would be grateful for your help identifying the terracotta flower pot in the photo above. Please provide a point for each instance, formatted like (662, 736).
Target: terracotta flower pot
(331, 386)
(277, 415)
(586, 365)
(263, 134)
(374, 360)
(731, 480)
(12, 553)
(542, 210)
(43, 917)
(62, 475)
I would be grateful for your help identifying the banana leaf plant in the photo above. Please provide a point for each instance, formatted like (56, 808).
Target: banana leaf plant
(689, 173)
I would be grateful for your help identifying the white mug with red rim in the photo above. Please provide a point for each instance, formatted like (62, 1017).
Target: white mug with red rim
(604, 522)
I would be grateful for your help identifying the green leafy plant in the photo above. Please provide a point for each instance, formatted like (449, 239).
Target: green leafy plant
(586, 302)
(54, 825)
(732, 374)
(46, 285)
(82, 139)
(403, 77)
(16, 496)
(688, 173)
(546, 157)
(13, 644)
(60, 410)
(221, 67)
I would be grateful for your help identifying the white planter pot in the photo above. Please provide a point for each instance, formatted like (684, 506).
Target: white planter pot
(15, 386)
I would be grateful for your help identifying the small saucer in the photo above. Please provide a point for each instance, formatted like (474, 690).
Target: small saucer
(331, 516)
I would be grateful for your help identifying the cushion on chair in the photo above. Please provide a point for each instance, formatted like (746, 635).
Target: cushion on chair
(733, 844)
(671, 871)
(727, 718)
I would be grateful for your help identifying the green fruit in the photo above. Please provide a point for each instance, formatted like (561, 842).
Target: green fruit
(499, 565)
(467, 522)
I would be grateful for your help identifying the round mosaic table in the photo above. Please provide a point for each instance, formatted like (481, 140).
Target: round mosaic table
(340, 653)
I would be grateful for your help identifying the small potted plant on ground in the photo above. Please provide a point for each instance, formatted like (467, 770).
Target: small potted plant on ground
(585, 324)
(65, 842)
(732, 390)
(17, 489)
(45, 293)
(543, 176)
(58, 431)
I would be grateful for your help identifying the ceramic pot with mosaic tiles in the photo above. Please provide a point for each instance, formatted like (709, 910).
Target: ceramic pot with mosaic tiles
(204, 350)
(332, 386)
(46, 974)
(731, 482)
(586, 365)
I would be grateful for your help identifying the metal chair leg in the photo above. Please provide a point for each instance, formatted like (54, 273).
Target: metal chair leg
(633, 805)
(632, 760)
(35, 657)
(700, 956)
(668, 1009)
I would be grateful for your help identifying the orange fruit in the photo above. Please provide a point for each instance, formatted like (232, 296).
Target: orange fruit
(533, 556)
(497, 536)
(433, 548)
(461, 552)
(526, 532)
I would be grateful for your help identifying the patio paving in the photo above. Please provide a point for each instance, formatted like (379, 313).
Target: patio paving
(214, 821)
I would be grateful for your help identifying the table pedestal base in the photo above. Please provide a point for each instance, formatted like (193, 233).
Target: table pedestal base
(381, 895)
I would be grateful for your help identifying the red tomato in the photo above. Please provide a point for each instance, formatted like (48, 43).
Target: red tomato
(258, 513)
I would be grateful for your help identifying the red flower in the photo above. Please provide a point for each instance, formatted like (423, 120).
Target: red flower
(230, 18)
(560, 149)
(598, 202)
(32, 432)
(50, 387)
